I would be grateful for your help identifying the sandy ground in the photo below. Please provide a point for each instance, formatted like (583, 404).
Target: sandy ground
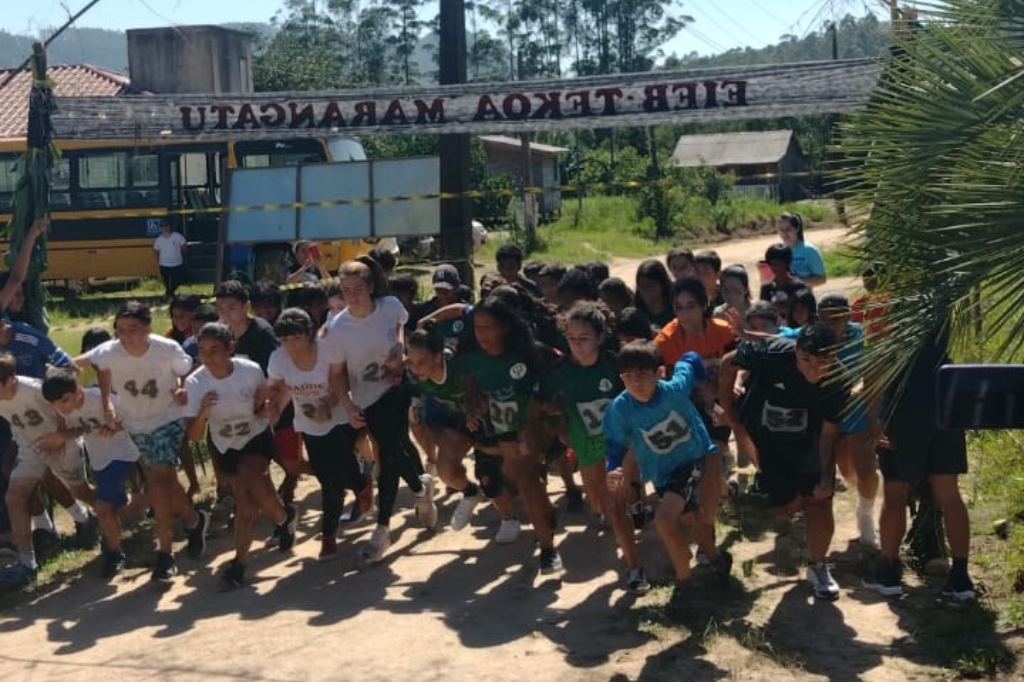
(453, 606)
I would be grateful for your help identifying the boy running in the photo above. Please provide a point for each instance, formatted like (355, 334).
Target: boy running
(656, 419)
(112, 455)
(793, 420)
(145, 371)
(43, 443)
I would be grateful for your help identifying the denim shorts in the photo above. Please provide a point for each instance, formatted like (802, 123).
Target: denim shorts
(163, 444)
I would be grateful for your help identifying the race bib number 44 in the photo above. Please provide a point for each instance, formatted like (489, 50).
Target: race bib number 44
(667, 434)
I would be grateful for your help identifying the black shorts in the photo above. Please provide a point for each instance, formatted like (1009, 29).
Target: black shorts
(684, 482)
(923, 453)
(261, 445)
(719, 434)
(786, 476)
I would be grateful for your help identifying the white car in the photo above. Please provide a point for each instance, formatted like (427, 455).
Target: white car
(479, 234)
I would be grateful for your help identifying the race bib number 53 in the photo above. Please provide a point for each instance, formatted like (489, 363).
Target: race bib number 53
(667, 434)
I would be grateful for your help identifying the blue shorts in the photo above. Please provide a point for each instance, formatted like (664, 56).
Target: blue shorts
(163, 444)
(438, 416)
(110, 483)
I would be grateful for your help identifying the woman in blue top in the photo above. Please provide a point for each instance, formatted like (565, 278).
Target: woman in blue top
(807, 263)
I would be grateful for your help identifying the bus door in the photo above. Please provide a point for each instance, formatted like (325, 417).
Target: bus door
(194, 182)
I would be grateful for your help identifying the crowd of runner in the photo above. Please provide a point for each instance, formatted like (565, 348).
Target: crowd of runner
(653, 403)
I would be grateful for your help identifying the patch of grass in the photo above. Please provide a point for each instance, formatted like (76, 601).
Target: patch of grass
(606, 227)
(841, 263)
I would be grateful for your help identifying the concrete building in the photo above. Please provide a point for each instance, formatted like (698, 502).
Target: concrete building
(207, 59)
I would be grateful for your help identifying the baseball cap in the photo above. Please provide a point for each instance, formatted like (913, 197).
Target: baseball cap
(833, 301)
(446, 277)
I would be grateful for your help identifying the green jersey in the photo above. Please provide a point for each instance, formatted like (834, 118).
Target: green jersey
(451, 392)
(584, 393)
(507, 383)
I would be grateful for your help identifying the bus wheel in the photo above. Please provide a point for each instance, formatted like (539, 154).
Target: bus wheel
(271, 263)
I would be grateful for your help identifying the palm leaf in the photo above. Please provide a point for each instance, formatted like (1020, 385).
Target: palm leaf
(935, 166)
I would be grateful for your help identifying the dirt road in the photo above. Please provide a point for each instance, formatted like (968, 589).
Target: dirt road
(748, 252)
(452, 606)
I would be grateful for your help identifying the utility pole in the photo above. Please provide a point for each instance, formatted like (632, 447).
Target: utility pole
(456, 214)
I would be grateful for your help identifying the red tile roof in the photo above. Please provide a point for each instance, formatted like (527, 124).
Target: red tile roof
(72, 80)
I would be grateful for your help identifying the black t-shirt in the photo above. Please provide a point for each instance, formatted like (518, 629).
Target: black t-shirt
(914, 412)
(790, 288)
(257, 343)
(781, 409)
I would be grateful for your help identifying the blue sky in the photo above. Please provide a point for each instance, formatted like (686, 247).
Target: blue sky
(719, 24)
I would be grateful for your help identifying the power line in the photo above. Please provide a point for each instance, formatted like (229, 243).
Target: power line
(764, 11)
(705, 39)
(732, 21)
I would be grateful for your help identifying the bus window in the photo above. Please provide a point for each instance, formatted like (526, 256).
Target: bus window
(60, 186)
(8, 179)
(278, 153)
(116, 180)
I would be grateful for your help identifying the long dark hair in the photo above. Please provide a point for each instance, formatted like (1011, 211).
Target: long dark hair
(653, 269)
(519, 336)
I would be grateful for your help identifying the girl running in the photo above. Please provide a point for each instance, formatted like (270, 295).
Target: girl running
(368, 338)
(504, 364)
(582, 386)
(227, 405)
(304, 371)
(443, 391)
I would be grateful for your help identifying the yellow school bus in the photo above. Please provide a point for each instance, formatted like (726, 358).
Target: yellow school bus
(107, 199)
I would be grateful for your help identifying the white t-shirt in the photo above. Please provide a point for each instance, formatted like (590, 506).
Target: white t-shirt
(102, 449)
(30, 415)
(307, 388)
(364, 343)
(233, 421)
(168, 250)
(146, 383)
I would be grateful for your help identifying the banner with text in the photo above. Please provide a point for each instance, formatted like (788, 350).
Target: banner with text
(527, 106)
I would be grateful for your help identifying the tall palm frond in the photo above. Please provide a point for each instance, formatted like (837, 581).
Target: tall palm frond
(935, 167)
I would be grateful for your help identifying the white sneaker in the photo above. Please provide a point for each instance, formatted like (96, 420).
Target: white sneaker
(866, 526)
(426, 509)
(464, 511)
(819, 576)
(379, 543)
(508, 532)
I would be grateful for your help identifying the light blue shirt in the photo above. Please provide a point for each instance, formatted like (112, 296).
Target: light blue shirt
(807, 261)
(666, 433)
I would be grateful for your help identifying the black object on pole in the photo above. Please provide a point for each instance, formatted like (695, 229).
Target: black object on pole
(456, 217)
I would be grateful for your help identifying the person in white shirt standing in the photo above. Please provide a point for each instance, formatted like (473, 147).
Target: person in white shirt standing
(170, 248)
(146, 370)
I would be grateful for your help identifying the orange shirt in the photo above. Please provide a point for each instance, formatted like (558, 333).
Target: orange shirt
(716, 342)
(867, 310)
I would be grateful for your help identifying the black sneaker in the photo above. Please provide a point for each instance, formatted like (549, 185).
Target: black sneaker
(87, 532)
(113, 563)
(959, 587)
(636, 581)
(165, 569)
(722, 565)
(886, 579)
(550, 562)
(234, 574)
(197, 536)
(286, 531)
(682, 595)
(574, 500)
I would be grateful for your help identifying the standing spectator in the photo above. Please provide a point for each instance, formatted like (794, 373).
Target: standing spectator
(807, 262)
(170, 248)
(307, 266)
